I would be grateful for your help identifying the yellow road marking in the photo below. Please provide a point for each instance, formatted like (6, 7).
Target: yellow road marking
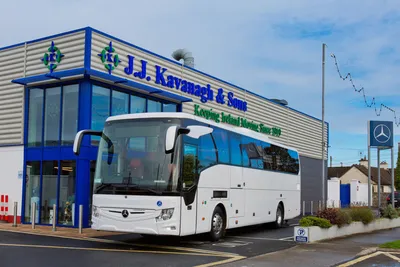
(107, 241)
(107, 250)
(360, 259)
(392, 256)
(215, 263)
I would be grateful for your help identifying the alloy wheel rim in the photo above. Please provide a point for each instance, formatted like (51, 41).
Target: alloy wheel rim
(217, 224)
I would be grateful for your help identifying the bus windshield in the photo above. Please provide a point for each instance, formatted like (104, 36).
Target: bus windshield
(137, 164)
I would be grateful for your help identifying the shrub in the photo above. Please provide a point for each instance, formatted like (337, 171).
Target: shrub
(343, 217)
(329, 213)
(314, 221)
(362, 214)
(390, 212)
(335, 216)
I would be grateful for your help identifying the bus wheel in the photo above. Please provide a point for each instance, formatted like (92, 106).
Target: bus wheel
(218, 224)
(279, 217)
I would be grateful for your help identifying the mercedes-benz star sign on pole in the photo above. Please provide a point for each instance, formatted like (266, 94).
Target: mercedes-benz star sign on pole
(380, 136)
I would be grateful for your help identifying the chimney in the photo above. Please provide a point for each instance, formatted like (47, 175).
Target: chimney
(384, 165)
(364, 162)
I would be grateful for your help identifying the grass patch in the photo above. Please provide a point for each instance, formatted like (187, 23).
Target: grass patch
(392, 245)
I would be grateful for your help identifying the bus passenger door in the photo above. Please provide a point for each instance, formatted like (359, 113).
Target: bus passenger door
(189, 191)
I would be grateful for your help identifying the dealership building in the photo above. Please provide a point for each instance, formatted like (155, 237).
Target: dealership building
(54, 86)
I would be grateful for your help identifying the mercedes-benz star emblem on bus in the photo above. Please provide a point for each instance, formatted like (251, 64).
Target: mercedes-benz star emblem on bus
(125, 213)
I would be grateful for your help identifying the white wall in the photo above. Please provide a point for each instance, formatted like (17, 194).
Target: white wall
(359, 193)
(333, 192)
(11, 163)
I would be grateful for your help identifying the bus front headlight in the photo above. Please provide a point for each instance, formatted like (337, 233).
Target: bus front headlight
(165, 214)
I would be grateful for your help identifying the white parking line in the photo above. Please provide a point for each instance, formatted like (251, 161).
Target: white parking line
(287, 238)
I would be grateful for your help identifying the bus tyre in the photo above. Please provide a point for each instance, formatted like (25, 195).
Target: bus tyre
(279, 217)
(218, 224)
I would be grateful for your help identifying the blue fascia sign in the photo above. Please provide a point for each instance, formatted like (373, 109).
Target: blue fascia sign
(380, 134)
(204, 92)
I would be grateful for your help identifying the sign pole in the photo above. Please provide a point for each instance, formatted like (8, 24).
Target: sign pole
(379, 178)
(369, 176)
(392, 176)
(323, 126)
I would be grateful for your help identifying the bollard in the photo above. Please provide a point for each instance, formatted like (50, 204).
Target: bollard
(15, 214)
(33, 218)
(312, 206)
(80, 218)
(319, 205)
(54, 217)
(304, 208)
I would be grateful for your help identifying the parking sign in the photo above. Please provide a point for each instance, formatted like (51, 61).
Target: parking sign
(301, 234)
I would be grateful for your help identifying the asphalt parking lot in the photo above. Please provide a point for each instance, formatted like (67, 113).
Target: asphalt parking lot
(376, 259)
(17, 249)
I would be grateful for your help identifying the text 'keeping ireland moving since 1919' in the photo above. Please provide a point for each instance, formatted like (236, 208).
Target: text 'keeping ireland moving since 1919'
(209, 114)
(205, 93)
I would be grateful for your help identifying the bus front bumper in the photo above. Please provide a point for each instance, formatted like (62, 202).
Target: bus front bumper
(145, 222)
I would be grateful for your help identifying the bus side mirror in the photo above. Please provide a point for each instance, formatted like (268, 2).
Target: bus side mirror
(171, 135)
(78, 139)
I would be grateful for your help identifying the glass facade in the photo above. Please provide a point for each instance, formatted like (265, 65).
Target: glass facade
(49, 191)
(70, 107)
(52, 116)
(32, 189)
(36, 100)
(53, 174)
(66, 202)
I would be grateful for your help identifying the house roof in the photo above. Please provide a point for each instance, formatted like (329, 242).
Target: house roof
(386, 176)
(337, 171)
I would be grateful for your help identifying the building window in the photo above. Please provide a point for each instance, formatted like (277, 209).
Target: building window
(66, 210)
(120, 103)
(153, 106)
(69, 114)
(52, 116)
(49, 190)
(169, 107)
(32, 189)
(100, 109)
(138, 104)
(35, 118)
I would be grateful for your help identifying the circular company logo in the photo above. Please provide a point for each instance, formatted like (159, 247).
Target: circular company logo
(125, 213)
(159, 203)
(382, 133)
(301, 232)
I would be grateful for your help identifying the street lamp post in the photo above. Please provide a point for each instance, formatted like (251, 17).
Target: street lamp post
(323, 125)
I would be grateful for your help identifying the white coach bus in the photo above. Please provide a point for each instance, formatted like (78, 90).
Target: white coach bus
(178, 174)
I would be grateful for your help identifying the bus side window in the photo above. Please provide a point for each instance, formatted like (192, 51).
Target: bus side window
(190, 162)
(236, 153)
(207, 152)
(267, 156)
(222, 142)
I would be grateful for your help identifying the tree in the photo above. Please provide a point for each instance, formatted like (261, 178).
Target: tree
(397, 173)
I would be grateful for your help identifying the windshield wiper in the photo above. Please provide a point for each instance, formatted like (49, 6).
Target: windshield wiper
(102, 186)
(153, 191)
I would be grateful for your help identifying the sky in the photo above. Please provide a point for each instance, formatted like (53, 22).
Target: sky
(273, 48)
